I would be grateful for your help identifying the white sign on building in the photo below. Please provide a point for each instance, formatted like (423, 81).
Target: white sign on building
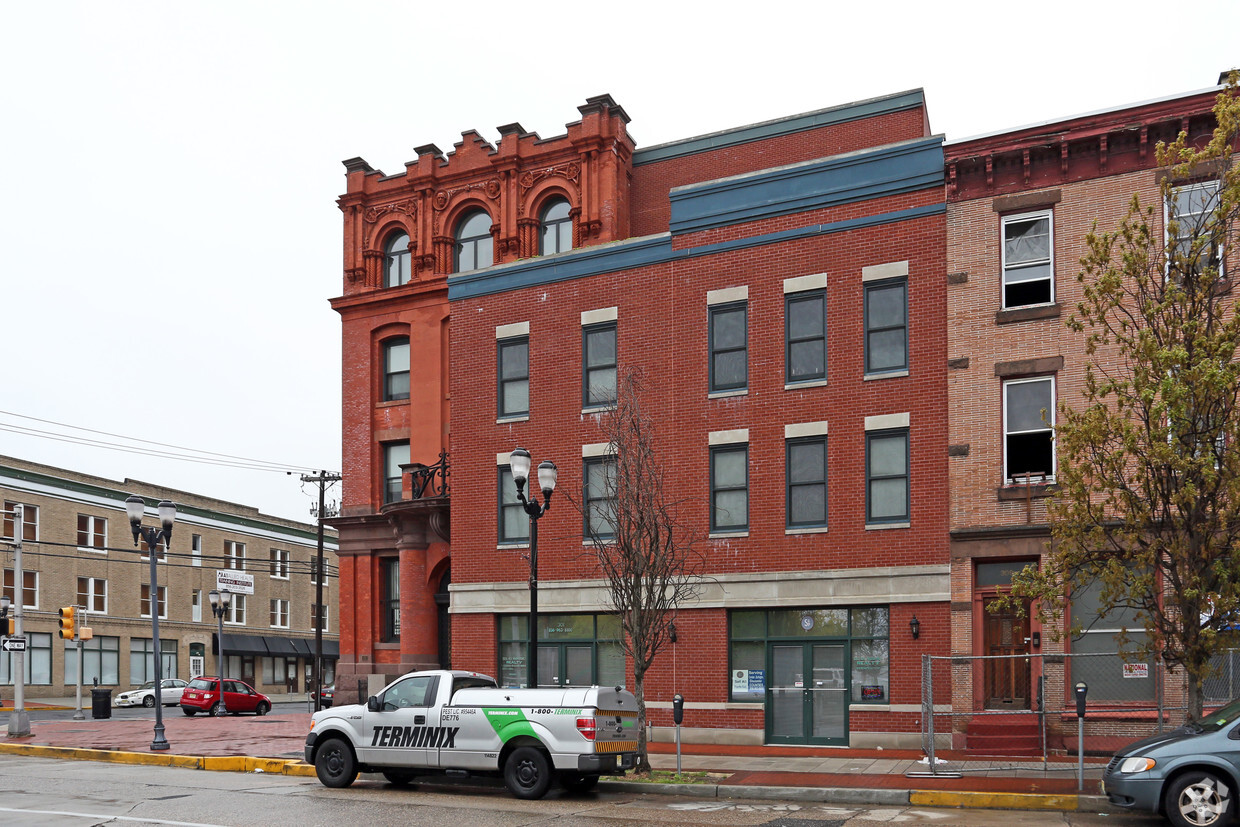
(237, 582)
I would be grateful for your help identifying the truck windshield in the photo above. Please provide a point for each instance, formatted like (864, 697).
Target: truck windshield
(1216, 720)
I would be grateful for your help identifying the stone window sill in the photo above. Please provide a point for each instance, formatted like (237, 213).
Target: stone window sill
(1027, 314)
(1021, 492)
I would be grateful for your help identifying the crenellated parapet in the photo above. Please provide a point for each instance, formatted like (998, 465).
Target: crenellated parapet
(589, 166)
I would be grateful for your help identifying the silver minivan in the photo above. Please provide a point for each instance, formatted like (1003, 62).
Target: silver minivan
(1190, 774)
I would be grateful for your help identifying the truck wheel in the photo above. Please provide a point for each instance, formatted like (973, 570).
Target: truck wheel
(398, 777)
(1198, 799)
(527, 774)
(575, 782)
(334, 764)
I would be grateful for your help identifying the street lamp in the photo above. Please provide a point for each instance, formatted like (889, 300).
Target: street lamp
(135, 507)
(219, 608)
(519, 462)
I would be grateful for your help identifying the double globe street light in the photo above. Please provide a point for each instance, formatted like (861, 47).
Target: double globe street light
(135, 507)
(519, 463)
(220, 601)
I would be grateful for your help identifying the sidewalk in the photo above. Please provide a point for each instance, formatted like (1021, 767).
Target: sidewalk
(274, 743)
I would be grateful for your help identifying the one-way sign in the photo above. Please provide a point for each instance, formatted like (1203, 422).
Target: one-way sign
(14, 644)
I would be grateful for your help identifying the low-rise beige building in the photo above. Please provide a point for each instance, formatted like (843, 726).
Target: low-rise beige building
(78, 550)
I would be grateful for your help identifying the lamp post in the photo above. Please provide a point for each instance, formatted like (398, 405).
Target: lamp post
(219, 608)
(519, 462)
(135, 507)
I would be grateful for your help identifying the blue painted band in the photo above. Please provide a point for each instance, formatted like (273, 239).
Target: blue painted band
(643, 252)
(842, 179)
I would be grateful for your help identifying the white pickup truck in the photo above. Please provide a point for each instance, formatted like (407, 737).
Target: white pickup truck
(461, 723)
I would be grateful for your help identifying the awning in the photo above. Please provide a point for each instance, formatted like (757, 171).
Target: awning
(272, 646)
(239, 644)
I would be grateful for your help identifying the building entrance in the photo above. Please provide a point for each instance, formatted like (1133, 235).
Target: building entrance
(807, 695)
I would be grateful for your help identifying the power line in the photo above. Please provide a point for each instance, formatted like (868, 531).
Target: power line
(208, 457)
(126, 555)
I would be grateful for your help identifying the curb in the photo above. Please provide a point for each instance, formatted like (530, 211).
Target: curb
(226, 763)
(838, 795)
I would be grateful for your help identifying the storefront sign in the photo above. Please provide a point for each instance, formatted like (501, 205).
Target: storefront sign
(871, 693)
(757, 680)
(1136, 670)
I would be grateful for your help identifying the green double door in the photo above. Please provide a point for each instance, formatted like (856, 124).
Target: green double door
(807, 694)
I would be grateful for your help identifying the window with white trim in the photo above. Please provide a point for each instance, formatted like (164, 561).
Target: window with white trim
(195, 548)
(234, 555)
(30, 588)
(280, 559)
(279, 614)
(1029, 429)
(318, 613)
(161, 596)
(1192, 242)
(92, 592)
(236, 610)
(30, 522)
(1028, 259)
(92, 533)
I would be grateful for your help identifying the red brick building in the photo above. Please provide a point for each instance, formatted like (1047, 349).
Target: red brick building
(782, 287)
(1019, 205)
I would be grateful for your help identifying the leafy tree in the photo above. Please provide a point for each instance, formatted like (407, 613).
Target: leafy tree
(1148, 510)
(648, 557)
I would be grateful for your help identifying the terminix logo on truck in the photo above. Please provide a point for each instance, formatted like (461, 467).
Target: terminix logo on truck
(429, 737)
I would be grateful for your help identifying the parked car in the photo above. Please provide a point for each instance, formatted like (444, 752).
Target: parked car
(1190, 774)
(170, 691)
(203, 695)
(329, 693)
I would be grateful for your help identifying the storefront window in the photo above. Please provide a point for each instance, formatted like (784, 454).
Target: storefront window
(1097, 657)
(864, 631)
(38, 660)
(573, 650)
(100, 660)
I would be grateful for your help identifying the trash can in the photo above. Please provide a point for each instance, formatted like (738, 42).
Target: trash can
(101, 703)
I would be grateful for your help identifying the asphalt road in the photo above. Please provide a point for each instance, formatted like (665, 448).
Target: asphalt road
(35, 791)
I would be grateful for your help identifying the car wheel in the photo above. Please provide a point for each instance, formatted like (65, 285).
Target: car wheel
(216, 710)
(527, 773)
(334, 764)
(263, 708)
(189, 712)
(148, 701)
(1198, 799)
(575, 782)
(398, 777)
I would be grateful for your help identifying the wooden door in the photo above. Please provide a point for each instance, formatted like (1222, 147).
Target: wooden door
(1006, 678)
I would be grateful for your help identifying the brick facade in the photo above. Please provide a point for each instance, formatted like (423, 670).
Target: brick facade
(834, 196)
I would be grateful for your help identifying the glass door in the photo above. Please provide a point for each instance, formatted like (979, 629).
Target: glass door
(807, 696)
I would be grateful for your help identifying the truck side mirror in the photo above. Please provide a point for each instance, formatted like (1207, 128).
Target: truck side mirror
(678, 708)
(1081, 690)
(372, 703)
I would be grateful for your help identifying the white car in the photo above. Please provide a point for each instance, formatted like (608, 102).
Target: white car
(144, 695)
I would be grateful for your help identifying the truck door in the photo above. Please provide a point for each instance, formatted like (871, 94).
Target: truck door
(397, 735)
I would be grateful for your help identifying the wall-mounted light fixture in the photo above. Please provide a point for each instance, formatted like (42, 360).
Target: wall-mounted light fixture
(914, 626)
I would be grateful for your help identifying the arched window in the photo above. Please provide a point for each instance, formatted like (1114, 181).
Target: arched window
(396, 369)
(556, 227)
(474, 247)
(396, 261)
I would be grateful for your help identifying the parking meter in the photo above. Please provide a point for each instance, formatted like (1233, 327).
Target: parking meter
(1081, 690)
(678, 708)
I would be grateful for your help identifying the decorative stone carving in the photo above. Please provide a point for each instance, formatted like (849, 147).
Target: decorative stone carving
(571, 171)
(490, 188)
(373, 214)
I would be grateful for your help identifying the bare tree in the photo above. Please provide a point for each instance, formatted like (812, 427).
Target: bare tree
(649, 558)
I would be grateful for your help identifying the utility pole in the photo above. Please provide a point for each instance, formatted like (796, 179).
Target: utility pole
(322, 480)
(19, 720)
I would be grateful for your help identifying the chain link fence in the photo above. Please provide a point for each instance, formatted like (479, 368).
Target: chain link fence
(1021, 709)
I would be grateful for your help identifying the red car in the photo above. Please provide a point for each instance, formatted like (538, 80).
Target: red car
(203, 695)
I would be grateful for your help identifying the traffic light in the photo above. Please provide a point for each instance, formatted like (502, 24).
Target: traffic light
(67, 624)
(11, 625)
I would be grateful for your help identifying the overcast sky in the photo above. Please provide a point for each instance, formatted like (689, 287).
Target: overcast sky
(169, 232)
